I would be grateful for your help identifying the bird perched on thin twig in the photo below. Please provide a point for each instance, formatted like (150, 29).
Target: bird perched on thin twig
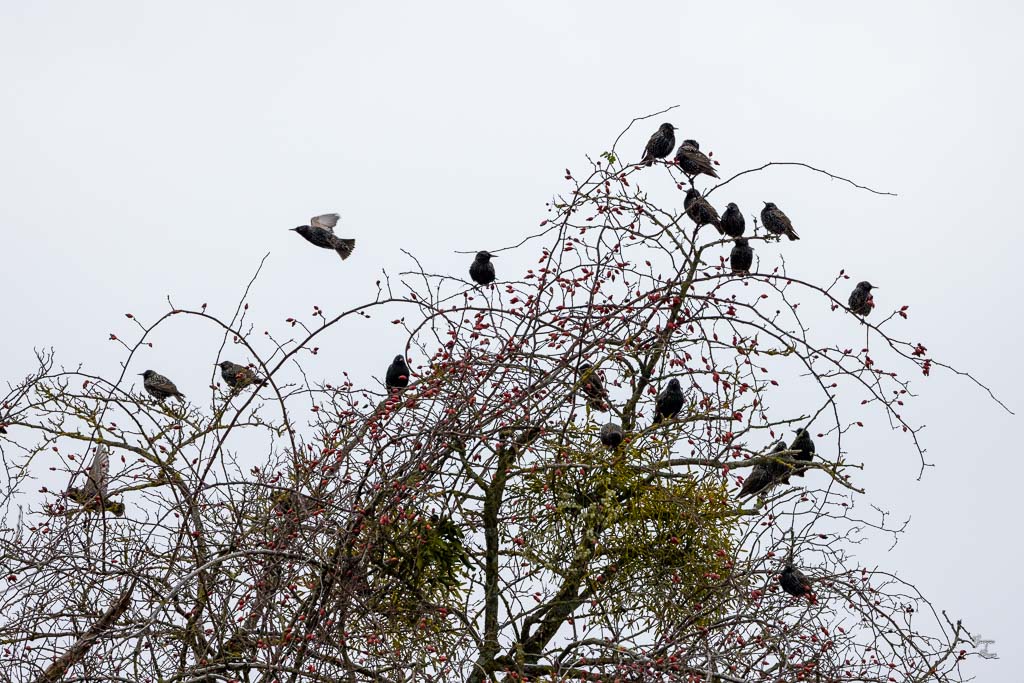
(611, 435)
(237, 376)
(668, 402)
(776, 222)
(861, 301)
(741, 257)
(593, 388)
(700, 211)
(804, 447)
(93, 495)
(660, 145)
(693, 161)
(397, 376)
(320, 232)
(763, 476)
(159, 387)
(733, 223)
(794, 582)
(482, 270)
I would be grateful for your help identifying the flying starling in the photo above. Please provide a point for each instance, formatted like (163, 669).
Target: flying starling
(763, 476)
(693, 161)
(668, 402)
(700, 211)
(397, 376)
(660, 145)
(320, 232)
(482, 270)
(237, 376)
(776, 222)
(593, 388)
(804, 446)
(93, 495)
(159, 387)
(611, 435)
(741, 257)
(733, 223)
(861, 301)
(794, 582)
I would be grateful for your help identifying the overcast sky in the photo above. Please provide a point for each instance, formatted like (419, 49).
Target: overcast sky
(153, 149)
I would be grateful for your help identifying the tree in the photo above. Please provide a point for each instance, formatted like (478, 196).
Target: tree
(472, 526)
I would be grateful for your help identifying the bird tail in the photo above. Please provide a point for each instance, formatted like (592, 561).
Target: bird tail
(344, 248)
(718, 226)
(791, 234)
(180, 396)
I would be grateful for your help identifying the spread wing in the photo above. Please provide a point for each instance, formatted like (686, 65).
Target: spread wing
(98, 476)
(326, 221)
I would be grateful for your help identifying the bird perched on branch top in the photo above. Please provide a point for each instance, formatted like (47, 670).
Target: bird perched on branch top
(482, 270)
(741, 257)
(593, 388)
(700, 211)
(733, 223)
(794, 582)
(159, 387)
(320, 232)
(763, 476)
(776, 222)
(611, 435)
(668, 402)
(93, 495)
(660, 145)
(237, 376)
(693, 161)
(397, 376)
(804, 447)
(861, 301)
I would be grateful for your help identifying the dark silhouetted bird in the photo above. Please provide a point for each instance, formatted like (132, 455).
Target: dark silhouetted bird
(237, 376)
(93, 495)
(741, 257)
(700, 211)
(669, 401)
(733, 223)
(593, 388)
(482, 270)
(794, 582)
(861, 301)
(397, 376)
(776, 222)
(611, 434)
(159, 387)
(804, 446)
(693, 161)
(763, 476)
(660, 145)
(321, 233)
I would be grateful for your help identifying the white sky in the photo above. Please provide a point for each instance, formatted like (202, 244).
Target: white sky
(153, 149)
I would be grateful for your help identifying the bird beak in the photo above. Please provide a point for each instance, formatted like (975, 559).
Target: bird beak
(765, 203)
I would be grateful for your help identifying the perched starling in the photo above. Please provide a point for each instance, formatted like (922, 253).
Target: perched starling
(693, 161)
(804, 446)
(321, 233)
(482, 270)
(611, 434)
(669, 401)
(397, 376)
(794, 582)
(93, 495)
(861, 301)
(700, 211)
(660, 145)
(741, 257)
(763, 476)
(733, 223)
(159, 387)
(776, 222)
(593, 388)
(237, 376)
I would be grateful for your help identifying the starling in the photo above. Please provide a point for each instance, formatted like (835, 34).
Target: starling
(669, 401)
(611, 435)
(733, 223)
(693, 161)
(794, 582)
(861, 301)
(159, 387)
(741, 257)
(397, 376)
(482, 270)
(593, 388)
(320, 232)
(804, 446)
(237, 376)
(660, 145)
(763, 476)
(776, 222)
(93, 495)
(700, 211)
